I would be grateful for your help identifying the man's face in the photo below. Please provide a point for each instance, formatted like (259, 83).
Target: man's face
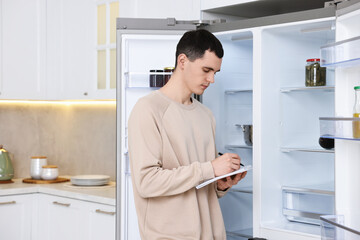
(201, 72)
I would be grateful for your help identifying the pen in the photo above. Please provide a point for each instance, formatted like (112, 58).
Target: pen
(222, 154)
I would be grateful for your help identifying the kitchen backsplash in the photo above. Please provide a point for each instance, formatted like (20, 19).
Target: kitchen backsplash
(80, 138)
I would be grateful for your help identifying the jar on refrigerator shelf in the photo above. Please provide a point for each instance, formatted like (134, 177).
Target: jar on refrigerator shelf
(314, 74)
(168, 71)
(356, 113)
(156, 80)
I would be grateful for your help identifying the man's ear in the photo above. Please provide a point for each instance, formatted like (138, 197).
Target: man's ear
(181, 60)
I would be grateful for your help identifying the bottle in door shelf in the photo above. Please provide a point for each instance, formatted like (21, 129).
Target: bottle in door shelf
(356, 113)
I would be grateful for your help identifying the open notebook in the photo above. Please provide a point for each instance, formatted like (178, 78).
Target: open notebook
(242, 169)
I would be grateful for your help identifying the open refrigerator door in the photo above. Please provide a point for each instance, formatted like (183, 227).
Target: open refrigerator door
(343, 56)
(145, 47)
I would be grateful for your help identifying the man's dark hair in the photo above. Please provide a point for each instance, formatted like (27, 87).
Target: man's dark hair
(194, 44)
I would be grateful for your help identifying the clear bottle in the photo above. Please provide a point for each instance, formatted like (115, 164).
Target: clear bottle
(356, 113)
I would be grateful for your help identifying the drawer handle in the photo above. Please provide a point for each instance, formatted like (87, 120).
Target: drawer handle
(5, 203)
(62, 204)
(104, 212)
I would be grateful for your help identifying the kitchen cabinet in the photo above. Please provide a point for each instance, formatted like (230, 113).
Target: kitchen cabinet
(48, 52)
(23, 49)
(67, 218)
(209, 4)
(70, 39)
(17, 216)
(101, 221)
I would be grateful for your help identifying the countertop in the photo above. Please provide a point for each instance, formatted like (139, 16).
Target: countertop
(103, 195)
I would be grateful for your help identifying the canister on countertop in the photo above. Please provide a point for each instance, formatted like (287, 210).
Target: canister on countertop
(314, 74)
(168, 71)
(37, 162)
(49, 172)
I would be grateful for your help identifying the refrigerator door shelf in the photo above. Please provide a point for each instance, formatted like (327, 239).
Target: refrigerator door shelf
(344, 53)
(144, 80)
(340, 128)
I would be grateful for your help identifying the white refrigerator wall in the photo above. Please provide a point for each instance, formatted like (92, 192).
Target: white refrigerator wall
(230, 99)
(289, 118)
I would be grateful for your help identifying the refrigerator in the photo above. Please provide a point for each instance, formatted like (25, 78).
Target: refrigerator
(294, 181)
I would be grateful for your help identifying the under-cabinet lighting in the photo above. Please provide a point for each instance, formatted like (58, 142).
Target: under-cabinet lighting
(61, 102)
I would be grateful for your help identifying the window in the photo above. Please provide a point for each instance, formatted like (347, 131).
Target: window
(107, 12)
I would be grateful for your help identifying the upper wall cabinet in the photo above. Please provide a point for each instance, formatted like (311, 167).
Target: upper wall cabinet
(22, 48)
(208, 4)
(107, 12)
(50, 49)
(70, 33)
(81, 49)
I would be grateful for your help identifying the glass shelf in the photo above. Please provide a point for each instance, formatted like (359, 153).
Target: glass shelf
(234, 91)
(344, 53)
(301, 89)
(317, 150)
(238, 146)
(340, 128)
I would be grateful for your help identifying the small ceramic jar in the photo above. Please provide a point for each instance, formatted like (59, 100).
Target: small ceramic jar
(36, 166)
(49, 172)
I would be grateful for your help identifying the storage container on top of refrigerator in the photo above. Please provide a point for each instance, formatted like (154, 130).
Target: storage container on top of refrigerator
(261, 83)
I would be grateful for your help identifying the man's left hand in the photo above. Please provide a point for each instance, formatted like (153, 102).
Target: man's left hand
(225, 183)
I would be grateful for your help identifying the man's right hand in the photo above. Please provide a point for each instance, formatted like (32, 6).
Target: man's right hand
(226, 163)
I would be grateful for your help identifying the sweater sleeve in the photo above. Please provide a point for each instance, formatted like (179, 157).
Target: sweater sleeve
(145, 152)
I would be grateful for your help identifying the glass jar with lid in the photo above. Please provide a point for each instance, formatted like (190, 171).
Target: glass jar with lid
(314, 74)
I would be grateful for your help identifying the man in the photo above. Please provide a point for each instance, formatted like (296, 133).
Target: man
(172, 149)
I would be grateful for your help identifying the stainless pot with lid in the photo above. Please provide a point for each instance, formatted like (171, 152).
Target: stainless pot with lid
(6, 168)
(248, 132)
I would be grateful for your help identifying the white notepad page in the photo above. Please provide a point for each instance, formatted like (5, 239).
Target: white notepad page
(242, 169)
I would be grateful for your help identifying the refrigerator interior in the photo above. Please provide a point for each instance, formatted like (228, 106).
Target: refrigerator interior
(140, 54)
(291, 155)
(230, 99)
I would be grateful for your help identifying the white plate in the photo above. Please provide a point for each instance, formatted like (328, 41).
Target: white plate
(90, 180)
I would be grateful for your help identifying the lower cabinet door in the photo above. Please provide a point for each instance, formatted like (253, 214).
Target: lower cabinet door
(16, 217)
(61, 218)
(101, 221)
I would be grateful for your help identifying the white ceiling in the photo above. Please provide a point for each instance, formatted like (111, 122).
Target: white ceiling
(263, 8)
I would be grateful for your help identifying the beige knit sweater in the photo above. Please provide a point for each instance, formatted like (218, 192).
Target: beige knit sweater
(170, 148)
